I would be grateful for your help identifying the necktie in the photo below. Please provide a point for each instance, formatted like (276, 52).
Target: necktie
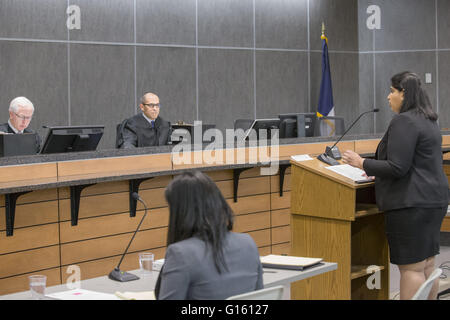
(153, 124)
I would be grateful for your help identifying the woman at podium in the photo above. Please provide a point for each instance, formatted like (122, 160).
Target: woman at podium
(410, 184)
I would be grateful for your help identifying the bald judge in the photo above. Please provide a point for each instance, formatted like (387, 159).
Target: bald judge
(145, 129)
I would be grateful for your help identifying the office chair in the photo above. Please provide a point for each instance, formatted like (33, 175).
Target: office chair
(425, 288)
(119, 133)
(273, 293)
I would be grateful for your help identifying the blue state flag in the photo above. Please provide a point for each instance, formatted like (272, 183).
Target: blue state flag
(326, 104)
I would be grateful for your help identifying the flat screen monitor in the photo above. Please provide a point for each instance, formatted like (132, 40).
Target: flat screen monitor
(263, 124)
(305, 124)
(180, 133)
(72, 139)
(288, 128)
(17, 144)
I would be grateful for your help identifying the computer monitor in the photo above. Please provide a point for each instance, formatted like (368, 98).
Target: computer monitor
(305, 124)
(18, 144)
(263, 124)
(181, 132)
(288, 128)
(72, 139)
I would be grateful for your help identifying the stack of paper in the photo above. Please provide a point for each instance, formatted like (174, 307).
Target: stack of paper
(348, 171)
(301, 157)
(288, 262)
(144, 295)
(81, 294)
(157, 264)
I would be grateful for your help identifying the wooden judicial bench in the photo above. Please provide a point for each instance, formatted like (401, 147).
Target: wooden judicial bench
(79, 212)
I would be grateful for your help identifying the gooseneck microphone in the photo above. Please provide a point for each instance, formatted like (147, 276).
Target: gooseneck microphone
(122, 276)
(332, 153)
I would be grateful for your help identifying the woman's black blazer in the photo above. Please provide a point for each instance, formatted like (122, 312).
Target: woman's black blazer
(408, 164)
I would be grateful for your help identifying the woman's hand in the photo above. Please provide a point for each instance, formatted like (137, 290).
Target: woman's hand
(366, 176)
(353, 159)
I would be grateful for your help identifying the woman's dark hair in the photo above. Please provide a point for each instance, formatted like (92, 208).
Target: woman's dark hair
(198, 209)
(415, 97)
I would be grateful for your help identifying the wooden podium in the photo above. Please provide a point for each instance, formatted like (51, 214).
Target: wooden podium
(336, 219)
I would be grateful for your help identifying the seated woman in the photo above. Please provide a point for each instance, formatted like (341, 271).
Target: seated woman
(204, 258)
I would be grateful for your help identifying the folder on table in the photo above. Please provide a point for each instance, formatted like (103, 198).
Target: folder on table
(288, 262)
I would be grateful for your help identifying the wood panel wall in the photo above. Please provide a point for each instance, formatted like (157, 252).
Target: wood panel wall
(45, 242)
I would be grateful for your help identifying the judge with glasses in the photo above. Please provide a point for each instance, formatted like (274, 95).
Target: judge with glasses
(20, 114)
(145, 129)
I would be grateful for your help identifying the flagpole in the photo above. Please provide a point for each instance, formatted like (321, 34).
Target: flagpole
(326, 105)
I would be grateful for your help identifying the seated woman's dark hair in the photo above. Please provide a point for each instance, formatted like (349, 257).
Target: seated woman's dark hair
(415, 97)
(198, 209)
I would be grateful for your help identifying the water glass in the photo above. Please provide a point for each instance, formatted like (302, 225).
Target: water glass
(146, 262)
(37, 286)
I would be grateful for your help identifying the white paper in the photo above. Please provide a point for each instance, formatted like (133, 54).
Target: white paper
(301, 157)
(81, 294)
(157, 264)
(144, 295)
(348, 171)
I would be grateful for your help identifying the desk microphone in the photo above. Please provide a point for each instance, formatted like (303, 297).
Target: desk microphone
(332, 153)
(122, 276)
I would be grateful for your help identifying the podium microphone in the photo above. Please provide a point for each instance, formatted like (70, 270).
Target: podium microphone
(122, 276)
(332, 153)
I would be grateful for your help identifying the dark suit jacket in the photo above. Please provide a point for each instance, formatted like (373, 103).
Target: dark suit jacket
(137, 132)
(6, 128)
(408, 164)
(189, 272)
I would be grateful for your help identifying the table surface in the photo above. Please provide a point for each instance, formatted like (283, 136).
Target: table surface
(271, 277)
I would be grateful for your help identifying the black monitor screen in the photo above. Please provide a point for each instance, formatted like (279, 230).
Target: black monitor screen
(181, 131)
(288, 128)
(72, 139)
(305, 124)
(263, 124)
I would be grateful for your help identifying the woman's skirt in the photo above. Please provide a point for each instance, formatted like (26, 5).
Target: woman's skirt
(413, 233)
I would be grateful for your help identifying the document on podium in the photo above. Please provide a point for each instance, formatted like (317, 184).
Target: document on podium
(346, 170)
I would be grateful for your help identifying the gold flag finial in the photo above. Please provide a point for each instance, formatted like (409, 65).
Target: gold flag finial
(324, 37)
